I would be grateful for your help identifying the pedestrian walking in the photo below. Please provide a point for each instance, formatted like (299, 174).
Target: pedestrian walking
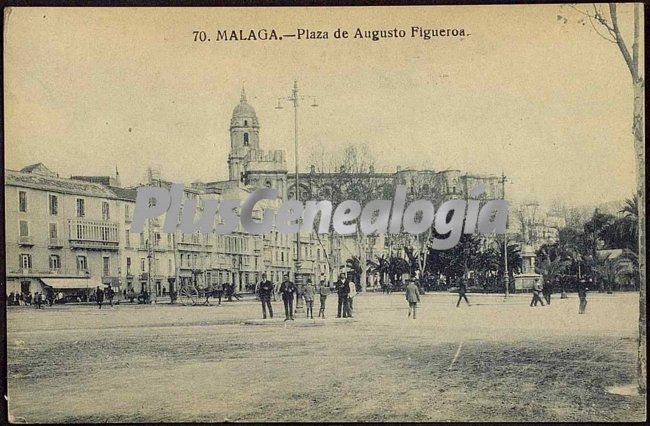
(110, 294)
(547, 291)
(462, 290)
(287, 289)
(352, 291)
(412, 297)
(38, 300)
(537, 291)
(324, 291)
(265, 289)
(582, 295)
(99, 296)
(342, 290)
(308, 293)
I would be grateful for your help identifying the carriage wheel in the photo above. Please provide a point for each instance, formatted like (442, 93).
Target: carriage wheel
(188, 295)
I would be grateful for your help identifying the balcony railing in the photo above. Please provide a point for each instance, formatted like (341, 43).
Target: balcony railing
(25, 240)
(55, 242)
(93, 234)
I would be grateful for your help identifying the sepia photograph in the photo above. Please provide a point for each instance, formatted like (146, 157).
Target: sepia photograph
(324, 214)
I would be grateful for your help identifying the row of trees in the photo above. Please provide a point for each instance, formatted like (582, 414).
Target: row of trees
(576, 253)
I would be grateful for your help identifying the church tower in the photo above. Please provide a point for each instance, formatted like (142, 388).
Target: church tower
(244, 136)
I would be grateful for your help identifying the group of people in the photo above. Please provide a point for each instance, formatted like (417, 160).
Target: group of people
(38, 299)
(542, 292)
(100, 294)
(345, 288)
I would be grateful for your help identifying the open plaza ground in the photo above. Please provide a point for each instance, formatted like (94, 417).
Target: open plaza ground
(494, 360)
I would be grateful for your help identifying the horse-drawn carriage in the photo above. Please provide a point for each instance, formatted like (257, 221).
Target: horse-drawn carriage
(190, 293)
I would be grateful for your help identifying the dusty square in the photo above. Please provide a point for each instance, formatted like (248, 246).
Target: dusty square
(166, 363)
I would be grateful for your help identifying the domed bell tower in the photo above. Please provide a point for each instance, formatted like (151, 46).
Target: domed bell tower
(244, 136)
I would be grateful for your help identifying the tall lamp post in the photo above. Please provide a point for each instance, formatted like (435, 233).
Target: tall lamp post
(295, 99)
(506, 277)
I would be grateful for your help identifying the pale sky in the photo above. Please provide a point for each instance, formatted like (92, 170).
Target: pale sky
(548, 103)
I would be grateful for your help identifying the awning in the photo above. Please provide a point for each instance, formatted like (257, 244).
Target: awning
(72, 283)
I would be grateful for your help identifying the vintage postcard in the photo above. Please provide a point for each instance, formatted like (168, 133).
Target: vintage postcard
(325, 214)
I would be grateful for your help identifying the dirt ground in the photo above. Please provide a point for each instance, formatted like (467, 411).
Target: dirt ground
(495, 360)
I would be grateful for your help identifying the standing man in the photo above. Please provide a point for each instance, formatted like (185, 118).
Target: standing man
(323, 290)
(342, 291)
(99, 296)
(38, 300)
(308, 293)
(352, 291)
(582, 295)
(537, 291)
(288, 290)
(413, 297)
(265, 291)
(547, 290)
(462, 290)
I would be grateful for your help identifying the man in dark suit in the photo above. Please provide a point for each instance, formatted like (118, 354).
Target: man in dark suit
(265, 292)
(342, 290)
(287, 289)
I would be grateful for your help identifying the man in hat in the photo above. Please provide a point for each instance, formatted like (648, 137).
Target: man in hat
(287, 289)
(323, 290)
(547, 291)
(342, 290)
(99, 296)
(265, 291)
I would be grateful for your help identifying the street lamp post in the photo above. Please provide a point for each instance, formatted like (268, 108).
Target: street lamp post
(506, 277)
(295, 98)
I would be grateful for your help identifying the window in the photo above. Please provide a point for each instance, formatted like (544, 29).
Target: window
(82, 263)
(54, 205)
(24, 228)
(128, 266)
(55, 262)
(22, 201)
(169, 240)
(127, 212)
(142, 244)
(53, 231)
(81, 207)
(142, 264)
(158, 238)
(245, 139)
(107, 266)
(169, 266)
(245, 122)
(26, 261)
(106, 215)
(127, 238)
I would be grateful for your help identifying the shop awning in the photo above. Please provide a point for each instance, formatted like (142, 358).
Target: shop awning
(72, 283)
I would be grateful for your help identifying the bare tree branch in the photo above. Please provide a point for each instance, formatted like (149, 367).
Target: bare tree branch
(621, 43)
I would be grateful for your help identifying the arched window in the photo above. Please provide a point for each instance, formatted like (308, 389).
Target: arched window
(245, 139)
(245, 122)
(268, 183)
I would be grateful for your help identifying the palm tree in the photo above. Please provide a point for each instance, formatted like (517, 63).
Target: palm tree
(354, 265)
(552, 269)
(381, 266)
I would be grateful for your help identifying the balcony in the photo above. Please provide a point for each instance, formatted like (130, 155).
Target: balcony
(55, 243)
(25, 240)
(93, 234)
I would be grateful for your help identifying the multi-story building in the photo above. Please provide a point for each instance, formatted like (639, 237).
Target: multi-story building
(60, 233)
